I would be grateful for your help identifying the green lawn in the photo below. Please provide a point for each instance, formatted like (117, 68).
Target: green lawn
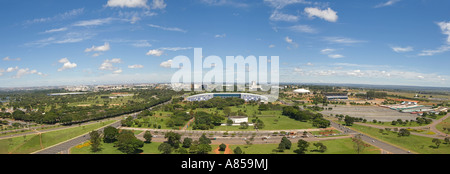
(108, 148)
(339, 146)
(32, 143)
(419, 144)
(444, 124)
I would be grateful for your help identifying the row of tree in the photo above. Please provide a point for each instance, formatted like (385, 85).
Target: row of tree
(305, 115)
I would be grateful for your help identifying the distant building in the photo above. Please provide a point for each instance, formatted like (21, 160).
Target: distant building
(336, 96)
(246, 96)
(302, 91)
(238, 119)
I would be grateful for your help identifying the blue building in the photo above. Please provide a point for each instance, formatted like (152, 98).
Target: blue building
(245, 96)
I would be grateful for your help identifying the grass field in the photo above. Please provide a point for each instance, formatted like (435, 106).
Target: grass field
(444, 124)
(32, 143)
(419, 144)
(339, 146)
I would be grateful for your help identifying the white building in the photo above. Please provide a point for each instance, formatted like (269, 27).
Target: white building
(302, 91)
(238, 119)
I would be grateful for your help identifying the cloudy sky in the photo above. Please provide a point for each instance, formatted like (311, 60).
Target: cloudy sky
(386, 42)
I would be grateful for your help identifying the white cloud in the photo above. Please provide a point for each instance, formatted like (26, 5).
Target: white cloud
(56, 30)
(127, 3)
(309, 64)
(327, 51)
(22, 72)
(167, 28)
(158, 4)
(166, 64)
(102, 48)
(108, 64)
(176, 48)
(234, 3)
(328, 14)
(288, 40)
(66, 64)
(135, 66)
(303, 29)
(388, 3)
(62, 16)
(93, 22)
(402, 49)
(117, 71)
(220, 35)
(155, 53)
(439, 50)
(279, 4)
(272, 46)
(10, 59)
(445, 27)
(12, 69)
(278, 16)
(342, 40)
(335, 56)
(141, 43)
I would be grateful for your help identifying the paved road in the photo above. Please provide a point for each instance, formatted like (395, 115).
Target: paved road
(384, 146)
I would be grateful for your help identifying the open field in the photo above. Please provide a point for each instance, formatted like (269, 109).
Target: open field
(31, 143)
(370, 113)
(444, 124)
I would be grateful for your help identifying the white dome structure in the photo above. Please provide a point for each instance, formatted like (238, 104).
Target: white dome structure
(302, 91)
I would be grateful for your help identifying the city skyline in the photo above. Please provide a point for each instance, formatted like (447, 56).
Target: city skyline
(382, 42)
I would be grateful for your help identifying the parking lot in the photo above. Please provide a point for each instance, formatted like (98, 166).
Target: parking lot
(370, 113)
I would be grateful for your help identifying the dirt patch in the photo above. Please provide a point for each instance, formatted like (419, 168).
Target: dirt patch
(227, 150)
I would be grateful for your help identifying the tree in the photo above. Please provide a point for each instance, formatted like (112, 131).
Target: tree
(237, 150)
(222, 147)
(320, 147)
(403, 133)
(287, 143)
(244, 125)
(165, 148)
(229, 122)
(447, 140)
(128, 143)
(204, 140)
(95, 141)
(437, 142)
(359, 144)
(173, 139)
(187, 142)
(148, 137)
(110, 134)
(203, 148)
(349, 120)
(302, 146)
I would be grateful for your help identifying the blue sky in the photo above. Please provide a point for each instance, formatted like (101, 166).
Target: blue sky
(384, 42)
